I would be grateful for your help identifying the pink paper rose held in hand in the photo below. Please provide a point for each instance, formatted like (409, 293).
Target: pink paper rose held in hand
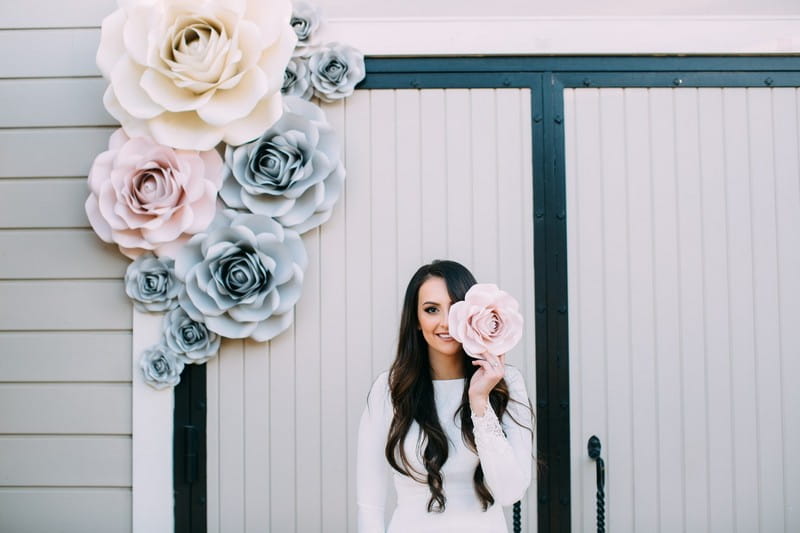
(488, 320)
(149, 197)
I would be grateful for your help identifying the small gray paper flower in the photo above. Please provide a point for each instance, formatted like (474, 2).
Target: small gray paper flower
(161, 367)
(335, 71)
(297, 78)
(305, 22)
(244, 279)
(150, 282)
(188, 338)
(293, 173)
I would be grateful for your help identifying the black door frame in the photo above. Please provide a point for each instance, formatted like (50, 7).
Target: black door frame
(546, 77)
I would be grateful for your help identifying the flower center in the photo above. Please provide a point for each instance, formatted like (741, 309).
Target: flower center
(194, 39)
(241, 274)
(289, 79)
(149, 186)
(335, 70)
(192, 333)
(152, 191)
(198, 54)
(160, 365)
(153, 284)
(300, 27)
(276, 164)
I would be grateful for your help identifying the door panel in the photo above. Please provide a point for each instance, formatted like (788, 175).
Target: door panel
(430, 174)
(682, 263)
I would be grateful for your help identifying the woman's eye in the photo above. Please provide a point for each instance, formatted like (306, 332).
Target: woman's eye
(430, 310)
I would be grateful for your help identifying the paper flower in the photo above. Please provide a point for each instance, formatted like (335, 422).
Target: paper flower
(297, 79)
(244, 279)
(292, 173)
(191, 74)
(305, 22)
(188, 338)
(486, 321)
(335, 71)
(161, 367)
(150, 282)
(149, 197)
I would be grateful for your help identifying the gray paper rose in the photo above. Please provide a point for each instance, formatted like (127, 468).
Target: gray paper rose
(297, 79)
(188, 338)
(150, 282)
(244, 279)
(161, 367)
(293, 173)
(305, 22)
(335, 71)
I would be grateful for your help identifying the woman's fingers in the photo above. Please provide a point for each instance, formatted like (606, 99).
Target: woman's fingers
(496, 362)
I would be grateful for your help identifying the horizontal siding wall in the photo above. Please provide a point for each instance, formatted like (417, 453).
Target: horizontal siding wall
(684, 255)
(430, 174)
(65, 322)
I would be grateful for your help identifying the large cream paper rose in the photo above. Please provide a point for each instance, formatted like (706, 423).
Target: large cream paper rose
(486, 321)
(148, 197)
(193, 73)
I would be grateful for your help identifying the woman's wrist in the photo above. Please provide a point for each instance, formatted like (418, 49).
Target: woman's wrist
(478, 403)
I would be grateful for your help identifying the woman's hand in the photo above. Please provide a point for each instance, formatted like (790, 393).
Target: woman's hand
(491, 371)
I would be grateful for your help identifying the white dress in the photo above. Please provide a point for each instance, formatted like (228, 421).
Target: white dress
(504, 448)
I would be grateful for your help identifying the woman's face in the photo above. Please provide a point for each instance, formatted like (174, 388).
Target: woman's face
(432, 312)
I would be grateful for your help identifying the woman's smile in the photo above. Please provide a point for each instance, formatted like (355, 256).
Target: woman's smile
(432, 312)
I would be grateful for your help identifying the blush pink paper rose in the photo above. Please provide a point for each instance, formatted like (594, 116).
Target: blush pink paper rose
(487, 321)
(148, 197)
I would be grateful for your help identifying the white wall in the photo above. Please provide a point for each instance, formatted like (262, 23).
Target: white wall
(65, 322)
(541, 8)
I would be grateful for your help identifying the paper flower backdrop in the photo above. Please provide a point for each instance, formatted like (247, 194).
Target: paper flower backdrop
(189, 81)
(335, 70)
(189, 339)
(149, 197)
(192, 74)
(151, 284)
(291, 173)
(243, 279)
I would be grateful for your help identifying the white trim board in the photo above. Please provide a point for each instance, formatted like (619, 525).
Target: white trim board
(153, 501)
(569, 35)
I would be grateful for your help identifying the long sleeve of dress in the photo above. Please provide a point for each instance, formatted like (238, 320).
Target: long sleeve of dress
(505, 450)
(372, 469)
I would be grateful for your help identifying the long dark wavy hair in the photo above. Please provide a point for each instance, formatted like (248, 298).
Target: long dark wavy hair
(411, 387)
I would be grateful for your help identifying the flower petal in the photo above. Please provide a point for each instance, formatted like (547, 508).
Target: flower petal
(111, 47)
(169, 96)
(185, 130)
(233, 104)
(125, 81)
(264, 115)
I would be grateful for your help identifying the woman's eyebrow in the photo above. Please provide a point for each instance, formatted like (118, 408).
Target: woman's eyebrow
(429, 302)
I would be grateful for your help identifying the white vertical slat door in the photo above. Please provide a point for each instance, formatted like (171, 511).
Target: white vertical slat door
(431, 174)
(683, 209)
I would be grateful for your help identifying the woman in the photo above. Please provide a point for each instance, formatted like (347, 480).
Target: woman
(454, 432)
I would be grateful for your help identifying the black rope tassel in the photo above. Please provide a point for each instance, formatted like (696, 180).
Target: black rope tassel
(517, 517)
(594, 448)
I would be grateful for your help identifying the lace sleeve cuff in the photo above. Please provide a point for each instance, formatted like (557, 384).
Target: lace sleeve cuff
(487, 430)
